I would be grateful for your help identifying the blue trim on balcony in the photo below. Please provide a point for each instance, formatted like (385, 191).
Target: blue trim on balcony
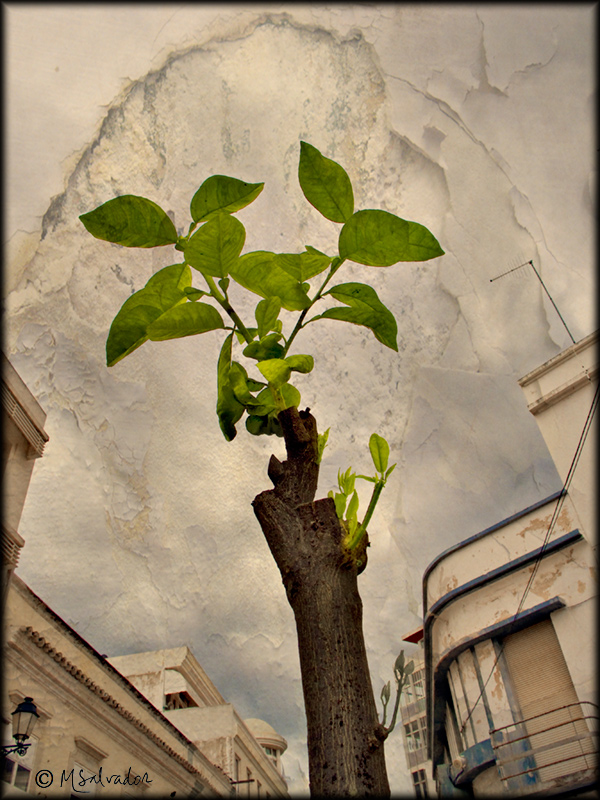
(496, 574)
(510, 566)
(436, 711)
(478, 758)
(483, 533)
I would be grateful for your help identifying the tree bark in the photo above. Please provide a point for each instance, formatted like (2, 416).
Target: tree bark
(345, 739)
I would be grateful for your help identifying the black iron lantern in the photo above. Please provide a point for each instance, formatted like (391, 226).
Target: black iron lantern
(24, 718)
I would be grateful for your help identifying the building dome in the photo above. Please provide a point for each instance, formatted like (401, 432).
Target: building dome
(266, 735)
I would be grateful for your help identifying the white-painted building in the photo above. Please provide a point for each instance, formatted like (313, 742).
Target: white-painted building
(509, 620)
(413, 715)
(175, 683)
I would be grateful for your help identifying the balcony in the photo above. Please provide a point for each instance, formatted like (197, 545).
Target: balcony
(550, 752)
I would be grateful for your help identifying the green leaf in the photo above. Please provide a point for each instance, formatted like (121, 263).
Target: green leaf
(185, 320)
(385, 693)
(399, 663)
(365, 309)
(266, 314)
(266, 425)
(380, 239)
(276, 371)
(130, 221)
(313, 250)
(266, 348)
(229, 409)
(390, 470)
(291, 395)
(302, 266)
(265, 403)
(352, 507)
(368, 478)
(301, 363)
(258, 273)
(216, 246)
(380, 452)
(240, 336)
(409, 668)
(346, 481)
(322, 444)
(340, 504)
(166, 289)
(220, 193)
(325, 184)
(194, 294)
(238, 380)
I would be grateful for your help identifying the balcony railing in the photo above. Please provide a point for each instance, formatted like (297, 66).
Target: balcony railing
(554, 749)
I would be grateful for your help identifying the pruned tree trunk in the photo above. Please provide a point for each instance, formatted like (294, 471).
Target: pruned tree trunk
(345, 739)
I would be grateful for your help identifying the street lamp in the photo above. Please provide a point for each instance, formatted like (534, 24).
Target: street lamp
(24, 718)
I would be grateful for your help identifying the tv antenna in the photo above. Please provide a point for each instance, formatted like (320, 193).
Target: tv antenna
(539, 277)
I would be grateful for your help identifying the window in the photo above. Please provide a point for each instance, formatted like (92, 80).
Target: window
(179, 700)
(418, 680)
(415, 734)
(420, 782)
(249, 779)
(16, 774)
(83, 782)
(272, 753)
(551, 714)
(414, 689)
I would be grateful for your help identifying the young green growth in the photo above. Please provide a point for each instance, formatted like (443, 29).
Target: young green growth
(401, 673)
(355, 533)
(170, 307)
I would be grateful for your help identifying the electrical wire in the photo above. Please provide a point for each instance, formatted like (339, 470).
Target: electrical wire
(559, 503)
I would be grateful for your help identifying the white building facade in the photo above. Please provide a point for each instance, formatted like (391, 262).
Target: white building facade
(509, 620)
(413, 715)
(248, 751)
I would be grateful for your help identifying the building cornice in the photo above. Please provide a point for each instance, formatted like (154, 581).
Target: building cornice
(480, 535)
(40, 641)
(12, 543)
(561, 357)
(35, 436)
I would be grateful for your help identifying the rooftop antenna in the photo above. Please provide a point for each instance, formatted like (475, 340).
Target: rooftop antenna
(539, 277)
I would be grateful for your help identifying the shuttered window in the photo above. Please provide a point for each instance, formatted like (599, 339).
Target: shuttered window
(556, 739)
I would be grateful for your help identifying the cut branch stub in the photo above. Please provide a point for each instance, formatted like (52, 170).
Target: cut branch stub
(305, 538)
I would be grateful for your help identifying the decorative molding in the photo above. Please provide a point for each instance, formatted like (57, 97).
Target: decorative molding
(12, 542)
(37, 438)
(561, 392)
(518, 563)
(564, 355)
(89, 749)
(465, 542)
(79, 675)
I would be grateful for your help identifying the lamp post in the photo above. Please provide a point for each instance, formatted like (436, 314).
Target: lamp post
(24, 718)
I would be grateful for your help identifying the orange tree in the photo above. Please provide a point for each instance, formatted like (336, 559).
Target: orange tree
(318, 545)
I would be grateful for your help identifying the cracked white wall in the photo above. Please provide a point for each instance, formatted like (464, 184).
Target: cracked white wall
(475, 121)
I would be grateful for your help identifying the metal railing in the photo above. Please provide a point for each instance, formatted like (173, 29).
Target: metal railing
(552, 749)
